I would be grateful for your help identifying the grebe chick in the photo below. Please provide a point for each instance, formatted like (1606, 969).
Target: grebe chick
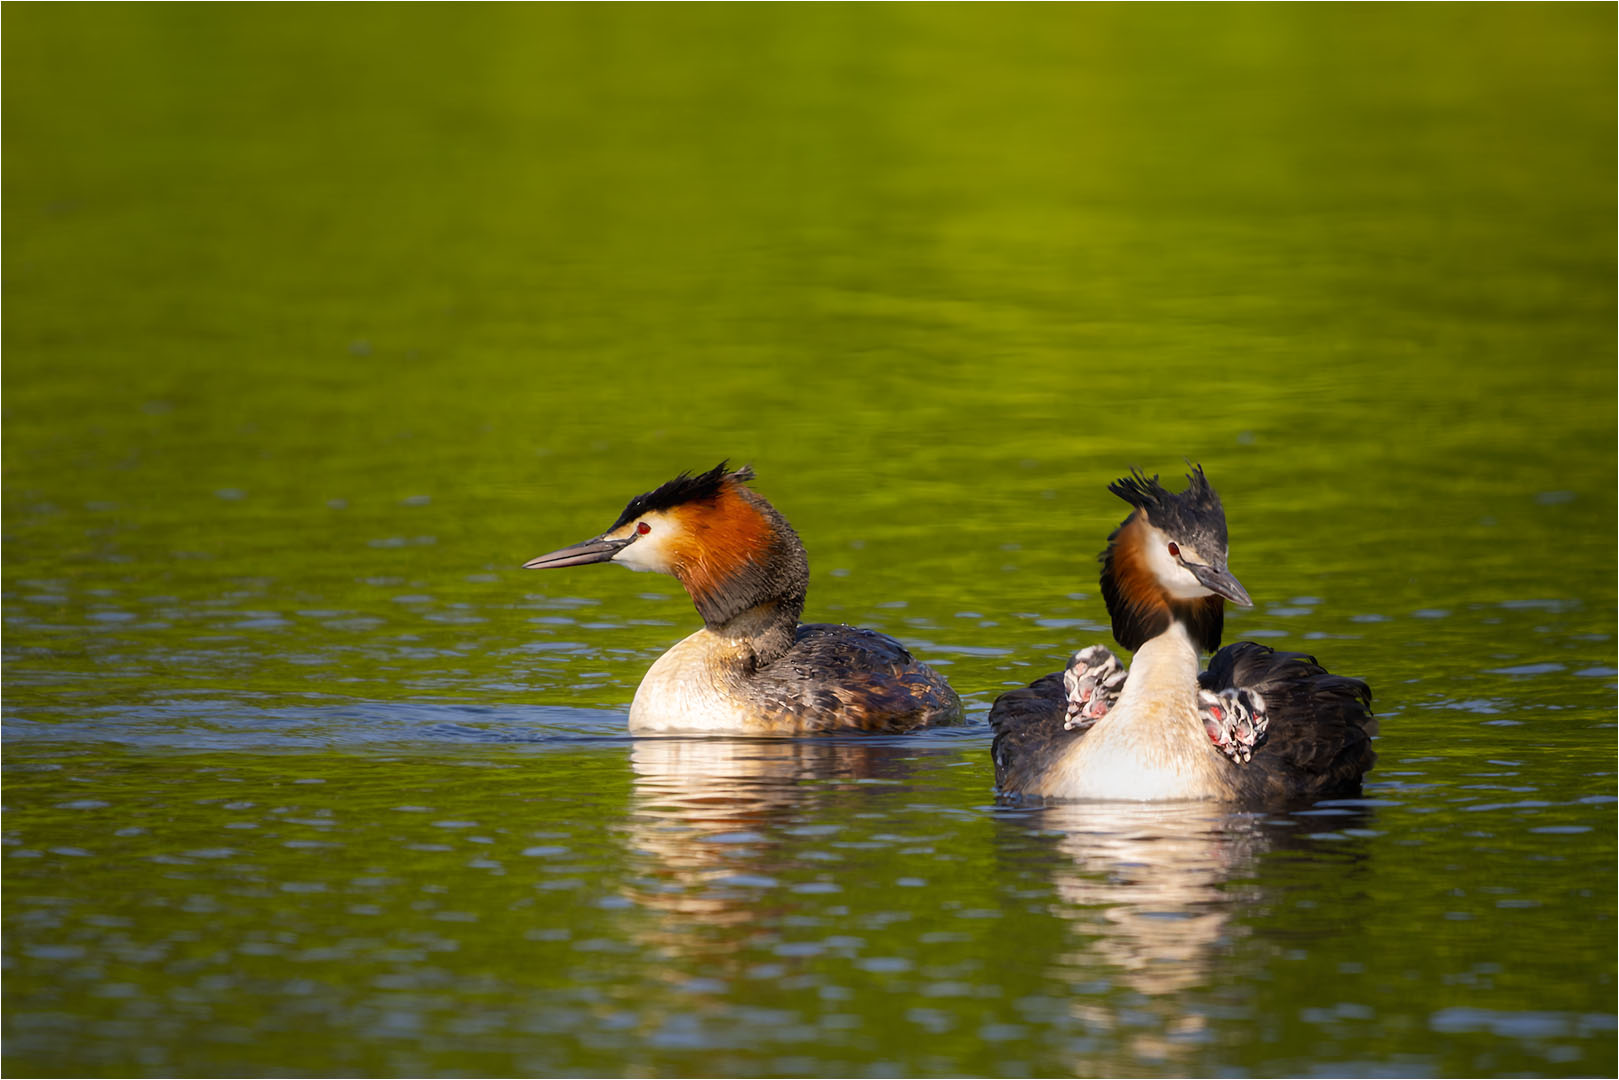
(1258, 727)
(753, 669)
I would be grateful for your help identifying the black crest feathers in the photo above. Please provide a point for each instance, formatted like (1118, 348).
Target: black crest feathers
(684, 488)
(1193, 511)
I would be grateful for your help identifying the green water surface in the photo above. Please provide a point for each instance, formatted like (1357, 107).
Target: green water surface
(320, 320)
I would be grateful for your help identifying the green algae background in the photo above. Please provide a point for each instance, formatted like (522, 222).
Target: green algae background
(319, 321)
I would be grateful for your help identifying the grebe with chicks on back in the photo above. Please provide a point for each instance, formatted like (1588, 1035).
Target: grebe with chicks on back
(754, 669)
(1258, 727)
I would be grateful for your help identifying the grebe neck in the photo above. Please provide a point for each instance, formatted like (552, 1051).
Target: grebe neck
(748, 576)
(1163, 670)
(767, 630)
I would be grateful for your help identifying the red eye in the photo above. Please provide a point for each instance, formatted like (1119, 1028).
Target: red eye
(1174, 551)
(643, 528)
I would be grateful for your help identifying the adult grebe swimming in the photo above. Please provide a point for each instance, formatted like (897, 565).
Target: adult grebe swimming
(1258, 727)
(752, 669)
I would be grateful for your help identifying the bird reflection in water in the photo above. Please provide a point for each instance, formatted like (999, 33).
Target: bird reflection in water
(1157, 894)
(741, 881)
(709, 815)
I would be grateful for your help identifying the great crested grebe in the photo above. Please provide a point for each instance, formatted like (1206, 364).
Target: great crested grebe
(753, 669)
(1258, 727)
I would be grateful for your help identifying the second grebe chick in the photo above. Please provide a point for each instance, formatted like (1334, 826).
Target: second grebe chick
(1258, 727)
(753, 669)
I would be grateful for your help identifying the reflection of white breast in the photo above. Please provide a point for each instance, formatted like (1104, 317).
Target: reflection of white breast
(1152, 744)
(1150, 887)
(691, 689)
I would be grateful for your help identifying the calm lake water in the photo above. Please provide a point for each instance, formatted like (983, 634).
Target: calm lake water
(320, 321)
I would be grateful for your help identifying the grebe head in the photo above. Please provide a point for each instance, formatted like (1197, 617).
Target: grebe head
(1167, 562)
(722, 541)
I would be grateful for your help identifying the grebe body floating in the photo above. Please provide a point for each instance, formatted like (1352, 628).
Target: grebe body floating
(1258, 727)
(754, 669)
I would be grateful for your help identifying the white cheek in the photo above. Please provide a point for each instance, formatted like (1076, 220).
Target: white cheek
(1178, 581)
(1186, 587)
(647, 554)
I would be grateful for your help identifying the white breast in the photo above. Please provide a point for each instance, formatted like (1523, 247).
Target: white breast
(686, 691)
(1152, 746)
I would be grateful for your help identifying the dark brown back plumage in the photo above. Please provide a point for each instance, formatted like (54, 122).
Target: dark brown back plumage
(1029, 732)
(1321, 725)
(845, 678)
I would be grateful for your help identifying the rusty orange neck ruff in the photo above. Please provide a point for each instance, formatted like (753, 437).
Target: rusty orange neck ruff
(1141, 608)
(736, 554)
